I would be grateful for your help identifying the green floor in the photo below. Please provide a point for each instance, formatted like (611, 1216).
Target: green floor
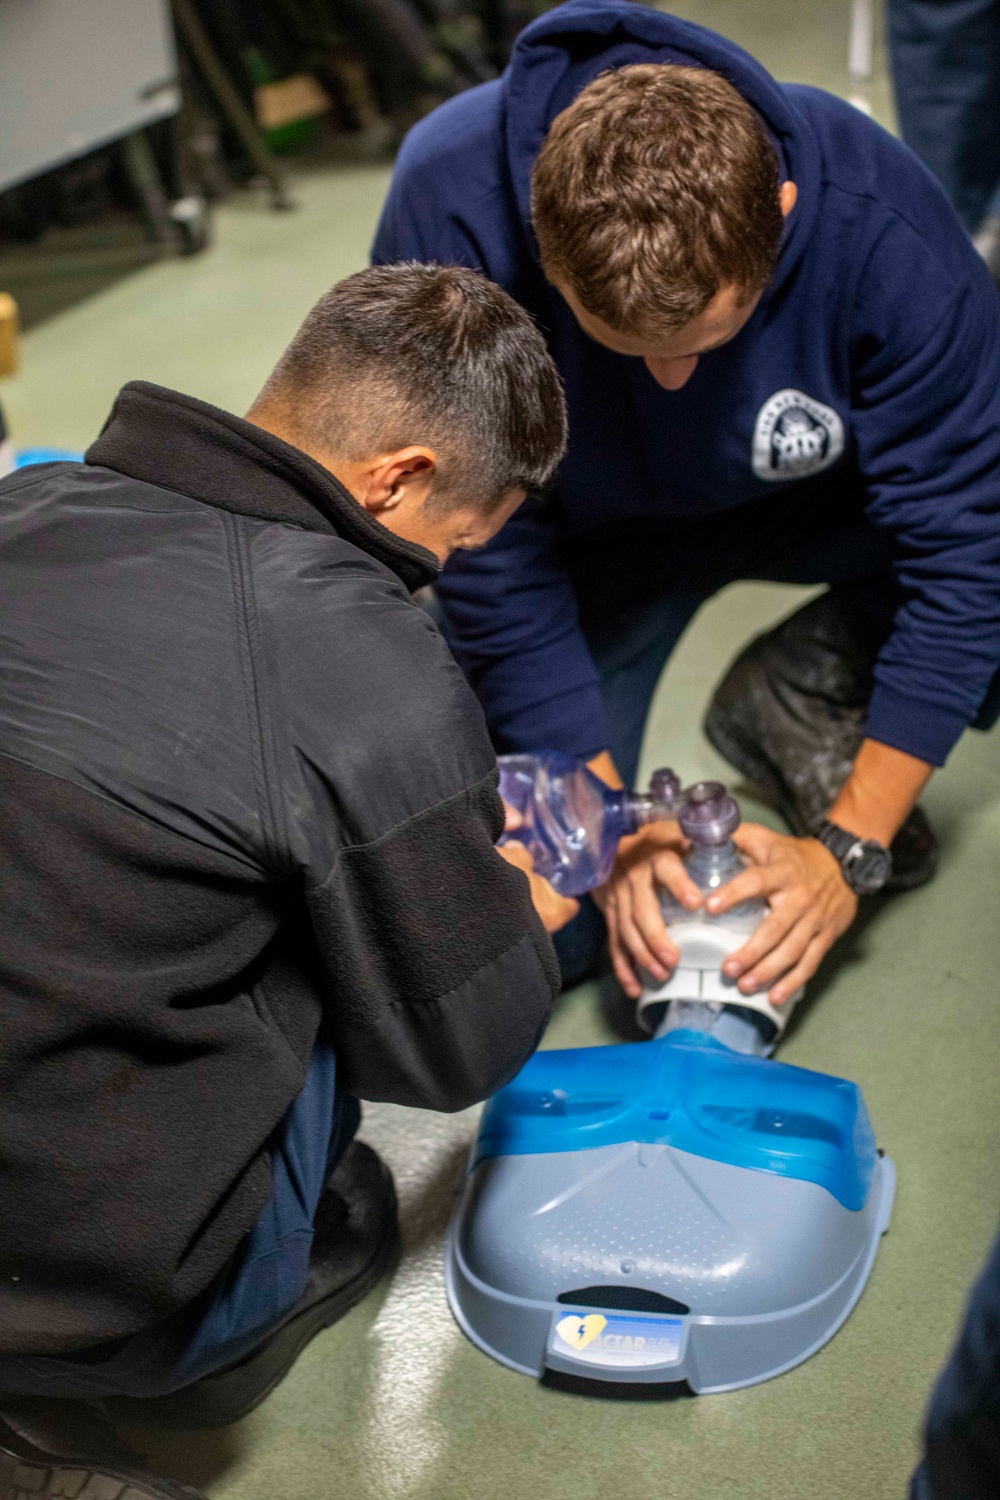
(393, 1404)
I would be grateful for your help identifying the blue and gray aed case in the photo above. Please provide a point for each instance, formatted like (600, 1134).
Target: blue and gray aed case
(666, 1211)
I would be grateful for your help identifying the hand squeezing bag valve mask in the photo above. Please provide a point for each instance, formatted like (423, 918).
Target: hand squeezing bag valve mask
(698, 996)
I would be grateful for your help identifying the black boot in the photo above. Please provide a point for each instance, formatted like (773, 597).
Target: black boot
(66, 1448)
(790, 715)
(356, 1240)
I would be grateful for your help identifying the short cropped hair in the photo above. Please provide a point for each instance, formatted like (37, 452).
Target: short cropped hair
(426, 354)
(655, 188)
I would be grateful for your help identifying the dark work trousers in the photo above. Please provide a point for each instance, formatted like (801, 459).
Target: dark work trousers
(963, 1424)
(250, 1296)
(637, 593)
(946, 70)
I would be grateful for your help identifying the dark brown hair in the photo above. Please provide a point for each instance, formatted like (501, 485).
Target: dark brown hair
(424, 354)
(656, 187)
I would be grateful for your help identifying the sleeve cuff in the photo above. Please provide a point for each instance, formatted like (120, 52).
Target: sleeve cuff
(913, 725)
(574, 721)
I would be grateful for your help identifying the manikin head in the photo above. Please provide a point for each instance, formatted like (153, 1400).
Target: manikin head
(429, 393)
(658, 209)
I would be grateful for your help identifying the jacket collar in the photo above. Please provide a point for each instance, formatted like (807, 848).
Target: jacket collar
(162, 437)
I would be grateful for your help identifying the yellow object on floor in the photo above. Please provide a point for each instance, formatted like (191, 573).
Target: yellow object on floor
(9, 334)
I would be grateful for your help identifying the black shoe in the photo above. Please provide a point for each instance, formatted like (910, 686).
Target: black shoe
(65, 1448)
(356, 1241)
(790, 716)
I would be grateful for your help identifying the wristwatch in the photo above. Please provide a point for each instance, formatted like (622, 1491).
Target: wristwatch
(866, 864)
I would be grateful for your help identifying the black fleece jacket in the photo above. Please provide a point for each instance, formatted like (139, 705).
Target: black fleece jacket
(244, 790)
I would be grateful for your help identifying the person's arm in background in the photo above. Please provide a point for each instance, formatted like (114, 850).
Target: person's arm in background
(926, 363)
(927, 422)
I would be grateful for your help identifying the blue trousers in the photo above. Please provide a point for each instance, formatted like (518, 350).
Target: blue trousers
(946, 70)
(963, 1424)
(250, 1296)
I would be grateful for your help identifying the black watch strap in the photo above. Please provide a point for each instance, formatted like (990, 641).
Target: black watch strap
(837, 840)
(865, 863)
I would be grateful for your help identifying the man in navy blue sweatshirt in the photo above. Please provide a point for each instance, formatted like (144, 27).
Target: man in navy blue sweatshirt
(782, 360)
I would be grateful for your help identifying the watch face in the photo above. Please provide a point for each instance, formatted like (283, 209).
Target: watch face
(867, 867)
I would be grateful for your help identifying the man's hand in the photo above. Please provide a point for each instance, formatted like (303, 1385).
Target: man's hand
(811, 903)
(554, 910)
(811, 906)
(630, 901)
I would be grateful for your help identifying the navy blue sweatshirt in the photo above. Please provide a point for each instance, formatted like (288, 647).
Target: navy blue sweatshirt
(874, 351)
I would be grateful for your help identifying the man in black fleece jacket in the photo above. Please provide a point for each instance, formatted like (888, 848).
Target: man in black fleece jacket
(247, 845)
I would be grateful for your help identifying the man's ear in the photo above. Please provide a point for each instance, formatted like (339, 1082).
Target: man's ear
(788, 197)
(395, 479)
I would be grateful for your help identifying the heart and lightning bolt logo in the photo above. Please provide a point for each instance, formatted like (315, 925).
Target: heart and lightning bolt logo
(579, 1332)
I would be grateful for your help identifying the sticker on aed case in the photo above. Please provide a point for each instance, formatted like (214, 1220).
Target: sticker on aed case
(621, 1342)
